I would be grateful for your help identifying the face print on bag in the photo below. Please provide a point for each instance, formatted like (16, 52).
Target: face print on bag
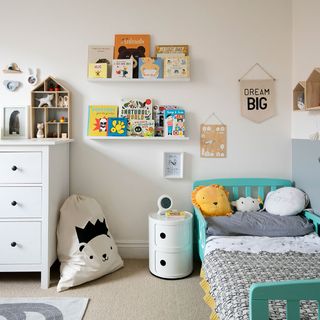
(95, 242)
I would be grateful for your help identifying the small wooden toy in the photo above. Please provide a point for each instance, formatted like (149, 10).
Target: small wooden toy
(62, 119)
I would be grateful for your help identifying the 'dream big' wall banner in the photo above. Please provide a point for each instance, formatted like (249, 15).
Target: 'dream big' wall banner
(257, 99)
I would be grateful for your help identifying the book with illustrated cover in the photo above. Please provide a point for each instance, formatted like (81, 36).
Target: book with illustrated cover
(132, 46)
(174, 123)
(100, 55)
(98, 119)
(141, 128)
(117, 127)
(122, 68)
(136, 109)
(176, 67)
(158, 116)
(175, 214)
(98, 70)
(172, 50)
(150, 68)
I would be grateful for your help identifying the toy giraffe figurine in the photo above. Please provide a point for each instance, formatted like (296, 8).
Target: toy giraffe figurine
(40, 133)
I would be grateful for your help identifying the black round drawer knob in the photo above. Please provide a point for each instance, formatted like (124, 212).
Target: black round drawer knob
(13, 244)
(14, 168)
(163, 262)
(14, 203)
(162, 235)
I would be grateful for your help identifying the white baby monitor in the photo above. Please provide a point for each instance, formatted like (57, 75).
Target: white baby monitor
(164, 204)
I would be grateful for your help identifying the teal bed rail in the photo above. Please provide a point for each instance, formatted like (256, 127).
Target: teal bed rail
(260, 293)
(292, 291)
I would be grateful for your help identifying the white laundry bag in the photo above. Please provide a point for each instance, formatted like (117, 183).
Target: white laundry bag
(86, 249)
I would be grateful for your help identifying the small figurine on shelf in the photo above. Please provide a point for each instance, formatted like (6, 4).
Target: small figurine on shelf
(40, 133)
(62, 119)
(57, 88)
(66, 101)
(60, 102)
(46, 101)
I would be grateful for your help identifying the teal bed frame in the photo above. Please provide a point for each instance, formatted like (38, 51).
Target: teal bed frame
(294, 290)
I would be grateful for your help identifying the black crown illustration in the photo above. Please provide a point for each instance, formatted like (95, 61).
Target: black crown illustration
(91, 231)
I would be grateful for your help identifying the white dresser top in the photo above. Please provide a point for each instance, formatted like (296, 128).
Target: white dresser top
(33, 142)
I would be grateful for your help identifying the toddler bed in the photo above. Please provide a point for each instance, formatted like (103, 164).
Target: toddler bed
(241, 274)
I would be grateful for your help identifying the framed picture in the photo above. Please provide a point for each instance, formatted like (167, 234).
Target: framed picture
(14, 122)
(173, 165)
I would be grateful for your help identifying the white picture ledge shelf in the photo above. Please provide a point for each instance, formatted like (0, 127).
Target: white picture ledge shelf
(139, 80)
(140, 138)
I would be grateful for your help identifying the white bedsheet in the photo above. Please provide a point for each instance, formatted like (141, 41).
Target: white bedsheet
(306, 244)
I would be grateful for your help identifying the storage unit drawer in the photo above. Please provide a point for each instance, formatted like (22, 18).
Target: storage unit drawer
(20, 202)
(20, 242)
(171, 265)
(176, 236)
(20, 167)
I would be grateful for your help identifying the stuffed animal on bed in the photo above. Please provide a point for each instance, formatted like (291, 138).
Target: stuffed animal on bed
(212, 200)
(247, 204)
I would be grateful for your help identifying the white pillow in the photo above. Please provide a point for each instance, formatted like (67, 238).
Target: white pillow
(86, 249)
(286, 201)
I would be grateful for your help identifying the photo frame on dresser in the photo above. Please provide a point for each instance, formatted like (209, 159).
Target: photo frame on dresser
(14, 122)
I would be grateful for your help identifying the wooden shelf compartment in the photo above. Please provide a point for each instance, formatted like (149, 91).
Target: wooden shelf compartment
(299, 96)
(313, 90)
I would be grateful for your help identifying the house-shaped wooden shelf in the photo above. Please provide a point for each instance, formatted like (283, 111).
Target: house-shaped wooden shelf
(313, 90)
(51, 105)
(299, 95)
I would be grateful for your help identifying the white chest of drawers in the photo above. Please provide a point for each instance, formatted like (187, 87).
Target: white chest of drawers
(170, 246)
(34, 182)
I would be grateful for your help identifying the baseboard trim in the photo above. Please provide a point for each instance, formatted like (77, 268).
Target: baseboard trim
(133, 249)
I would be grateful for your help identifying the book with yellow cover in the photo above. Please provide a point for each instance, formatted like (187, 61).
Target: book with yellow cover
(97, 70)
(98, 119)
(172, 50)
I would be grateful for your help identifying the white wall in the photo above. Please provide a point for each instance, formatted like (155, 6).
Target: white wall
(226, 38)
(306, 53)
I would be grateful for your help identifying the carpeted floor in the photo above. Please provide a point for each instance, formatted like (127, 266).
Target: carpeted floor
(130, 293)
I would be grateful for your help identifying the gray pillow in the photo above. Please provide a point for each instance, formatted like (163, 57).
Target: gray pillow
(258, 224)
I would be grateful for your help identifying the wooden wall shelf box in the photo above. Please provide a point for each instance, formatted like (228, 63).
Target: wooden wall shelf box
(299, 89)
(50, 116)
(313, 90)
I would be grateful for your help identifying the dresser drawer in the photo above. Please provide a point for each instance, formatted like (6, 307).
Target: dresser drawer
(20, 202)
(20, 242)
(173, 236)
(20, 167)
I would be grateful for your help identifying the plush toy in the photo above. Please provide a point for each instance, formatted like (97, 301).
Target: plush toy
(212, 200)
(247, 204)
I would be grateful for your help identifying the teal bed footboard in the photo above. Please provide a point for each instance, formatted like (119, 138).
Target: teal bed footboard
(293, 291)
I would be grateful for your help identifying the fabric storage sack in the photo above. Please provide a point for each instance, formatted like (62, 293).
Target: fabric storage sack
(286, 201)
(86, 249)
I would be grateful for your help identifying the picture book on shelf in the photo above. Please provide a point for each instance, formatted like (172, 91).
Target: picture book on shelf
(98, 54)
(174, 123)
(136, 109)
(176, 67)
(133, 46)
(158, 116)
(117, 127)
(150, 68)
(122, 68)
(172, 50)
(141, 128)
(98, 119)
(98, 70)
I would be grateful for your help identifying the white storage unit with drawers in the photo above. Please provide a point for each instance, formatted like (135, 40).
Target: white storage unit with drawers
(170, 246)
(34, 182)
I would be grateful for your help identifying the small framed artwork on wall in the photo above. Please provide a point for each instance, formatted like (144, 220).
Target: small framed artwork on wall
(14, 122)
(173, 165)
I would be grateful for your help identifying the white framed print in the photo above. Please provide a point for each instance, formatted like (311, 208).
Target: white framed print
(173, 165)
(14, 122)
